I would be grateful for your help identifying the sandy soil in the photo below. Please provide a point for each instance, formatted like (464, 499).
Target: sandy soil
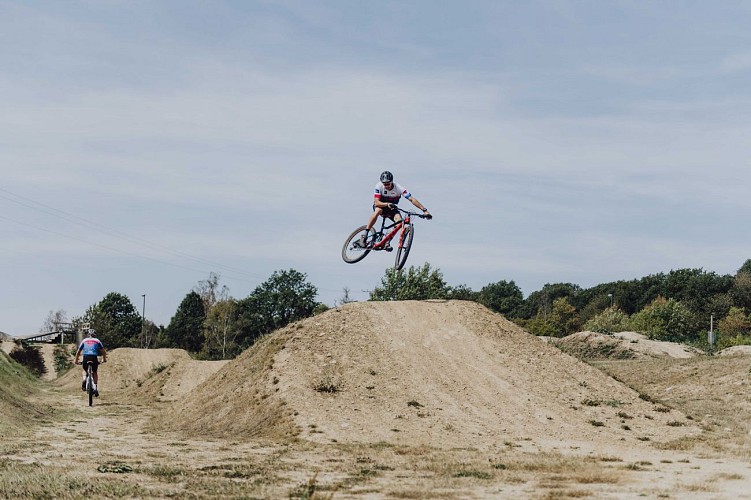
(621, 345)
(7, 346)
(378, 400)
(738, 350)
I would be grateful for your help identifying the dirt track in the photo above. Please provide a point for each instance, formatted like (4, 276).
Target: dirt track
(397, 399)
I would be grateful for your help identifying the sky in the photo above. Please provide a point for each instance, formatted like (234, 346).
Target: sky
(147, 144)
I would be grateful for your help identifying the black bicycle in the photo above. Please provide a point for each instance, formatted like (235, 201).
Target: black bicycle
(89, 383)
(361, 242)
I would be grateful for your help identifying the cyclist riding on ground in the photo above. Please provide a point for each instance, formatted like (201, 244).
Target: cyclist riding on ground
(387, 196)
(91, 348)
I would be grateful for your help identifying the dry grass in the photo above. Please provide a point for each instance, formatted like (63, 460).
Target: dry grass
(710, 391)
(188, 451)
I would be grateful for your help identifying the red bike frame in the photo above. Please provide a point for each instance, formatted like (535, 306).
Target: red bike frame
(394, 229)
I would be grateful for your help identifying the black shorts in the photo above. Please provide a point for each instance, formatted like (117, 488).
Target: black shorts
(93, 359)
(387, 213)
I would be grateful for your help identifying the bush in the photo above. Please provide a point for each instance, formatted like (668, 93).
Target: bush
(665, 319)
(30, 357)
(736, 323)
(725, 341)
(610, 320)
(62, 360)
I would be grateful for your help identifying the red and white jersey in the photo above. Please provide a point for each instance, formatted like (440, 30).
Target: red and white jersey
(391, 195)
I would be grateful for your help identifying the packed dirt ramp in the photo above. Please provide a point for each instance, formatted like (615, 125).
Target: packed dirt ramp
(434, 373)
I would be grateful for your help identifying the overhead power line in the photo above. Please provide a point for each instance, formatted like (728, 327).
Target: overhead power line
(74, 219)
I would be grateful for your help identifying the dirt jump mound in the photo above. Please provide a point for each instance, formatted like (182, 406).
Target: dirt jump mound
(621, 345)
(433, 373)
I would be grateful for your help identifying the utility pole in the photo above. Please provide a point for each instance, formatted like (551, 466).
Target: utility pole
(143, 321)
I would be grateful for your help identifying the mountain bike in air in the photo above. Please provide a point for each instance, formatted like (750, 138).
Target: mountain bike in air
(361, 242)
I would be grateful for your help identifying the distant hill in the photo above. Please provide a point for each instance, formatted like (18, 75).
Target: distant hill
(4, 337)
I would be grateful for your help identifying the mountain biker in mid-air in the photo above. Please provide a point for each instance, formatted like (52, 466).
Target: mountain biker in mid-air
(91, 348)
(386, 197)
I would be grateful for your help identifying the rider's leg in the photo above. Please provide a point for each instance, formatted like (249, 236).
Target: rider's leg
(396, 218)
(369, 225)
(83, 382)
(373, 218)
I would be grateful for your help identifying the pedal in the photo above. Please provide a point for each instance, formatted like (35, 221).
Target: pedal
(388, 248)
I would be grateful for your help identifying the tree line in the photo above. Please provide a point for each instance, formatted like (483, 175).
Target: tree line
(678, 306)
(208, 322)
(211, 324)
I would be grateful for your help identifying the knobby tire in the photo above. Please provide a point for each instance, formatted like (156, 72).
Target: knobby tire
(405, 245)
(352, 253)
(90, 387)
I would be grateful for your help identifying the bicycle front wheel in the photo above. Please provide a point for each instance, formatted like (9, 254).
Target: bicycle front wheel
(353, 249)
(404, 246)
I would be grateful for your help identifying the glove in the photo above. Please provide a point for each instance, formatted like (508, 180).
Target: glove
(426, 214)
(391, 206)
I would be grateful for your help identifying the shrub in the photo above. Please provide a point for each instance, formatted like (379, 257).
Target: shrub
(665, 319)
(734, 329)
(562, 320)
(62, 360)
(30, 357)
(610, 320)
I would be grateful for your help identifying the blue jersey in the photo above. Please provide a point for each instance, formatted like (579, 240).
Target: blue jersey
(91, 347)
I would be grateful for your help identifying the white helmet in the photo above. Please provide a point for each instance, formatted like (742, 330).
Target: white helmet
(92, 333)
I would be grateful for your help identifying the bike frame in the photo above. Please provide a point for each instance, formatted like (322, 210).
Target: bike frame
(362, 240)
(393, 228)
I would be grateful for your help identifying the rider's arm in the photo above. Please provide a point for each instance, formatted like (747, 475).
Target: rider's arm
(380, 204)
(104, 355)
(419, 205)
(78, 355)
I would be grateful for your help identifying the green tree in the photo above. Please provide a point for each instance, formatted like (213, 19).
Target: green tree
(503, 297)
(666, 319)
(561, 321)
(541, 302)
(462, 292)
(185, 329)
(564, 317)
(734, 329)
(220, 330)
(746, 267)
(418, 283)
(610, 320)
(115, 320)
(696, 288)
(736, 323)
(285, 297)
(740, 292)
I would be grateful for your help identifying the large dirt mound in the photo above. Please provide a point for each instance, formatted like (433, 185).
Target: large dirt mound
(421, 373)
(621, 345)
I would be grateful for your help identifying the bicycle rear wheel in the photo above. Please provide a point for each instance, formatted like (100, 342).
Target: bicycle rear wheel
(90, 390)
(353, 251)
(404, 246)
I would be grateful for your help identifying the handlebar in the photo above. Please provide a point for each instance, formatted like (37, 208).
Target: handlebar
(81, 362)
(416, 214)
